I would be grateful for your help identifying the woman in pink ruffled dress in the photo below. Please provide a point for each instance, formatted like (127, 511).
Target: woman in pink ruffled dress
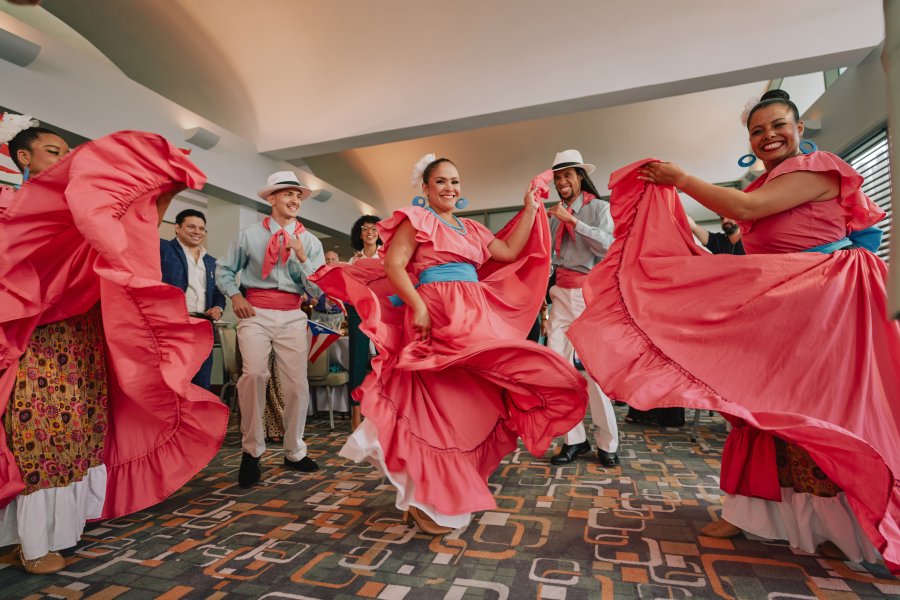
(454, 383)
(96, 353)
(791, 343)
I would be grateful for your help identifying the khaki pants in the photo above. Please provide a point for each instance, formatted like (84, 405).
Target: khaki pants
(284, 332)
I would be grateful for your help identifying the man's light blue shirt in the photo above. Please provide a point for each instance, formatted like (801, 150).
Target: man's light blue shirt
(247, 252)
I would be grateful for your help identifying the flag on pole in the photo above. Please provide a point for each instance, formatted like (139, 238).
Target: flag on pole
(321, 338)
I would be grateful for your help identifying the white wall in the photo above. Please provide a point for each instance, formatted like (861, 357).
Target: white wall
(852, 107)
(81, 93)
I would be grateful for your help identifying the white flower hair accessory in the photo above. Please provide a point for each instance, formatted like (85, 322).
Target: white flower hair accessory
(745, 115)
(11, 125)
(418, 169)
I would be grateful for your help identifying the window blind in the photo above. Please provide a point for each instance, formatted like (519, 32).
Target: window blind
(872, 159)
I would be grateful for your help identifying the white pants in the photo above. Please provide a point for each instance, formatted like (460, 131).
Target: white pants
(567, 305)
(283, 331)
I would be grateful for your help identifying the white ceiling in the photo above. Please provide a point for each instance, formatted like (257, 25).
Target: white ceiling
(356, 90)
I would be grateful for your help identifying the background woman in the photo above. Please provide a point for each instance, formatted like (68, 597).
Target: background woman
(93, 429)
(454, 382)
(364, 239)
(790, 342)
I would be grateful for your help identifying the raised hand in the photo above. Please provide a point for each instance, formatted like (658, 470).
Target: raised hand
(662, 173)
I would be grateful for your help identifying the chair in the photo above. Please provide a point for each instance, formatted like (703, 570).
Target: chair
(696, 423)
(228, 341)
(319, 374)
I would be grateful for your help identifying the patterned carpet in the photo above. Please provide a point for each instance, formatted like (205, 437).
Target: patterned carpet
(572, 532)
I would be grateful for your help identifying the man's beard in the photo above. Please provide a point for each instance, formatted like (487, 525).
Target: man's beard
(730, 228)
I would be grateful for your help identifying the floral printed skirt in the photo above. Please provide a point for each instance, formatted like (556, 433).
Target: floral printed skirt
(57, 417)
(274, 416)
(797, 470)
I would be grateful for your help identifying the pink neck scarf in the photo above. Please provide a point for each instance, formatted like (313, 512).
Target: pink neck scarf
(278, 249)
(568, 227)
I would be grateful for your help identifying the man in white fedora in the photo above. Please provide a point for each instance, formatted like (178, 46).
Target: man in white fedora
(274, 259)
(581, 231)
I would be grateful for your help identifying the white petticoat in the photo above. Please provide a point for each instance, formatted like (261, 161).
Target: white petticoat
(53, 519)
(804, 520)
(363, 445)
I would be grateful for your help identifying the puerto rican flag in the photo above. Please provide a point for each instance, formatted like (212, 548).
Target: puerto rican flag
(322, 337)
(7, 165)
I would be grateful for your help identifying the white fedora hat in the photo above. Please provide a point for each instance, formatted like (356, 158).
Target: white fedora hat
(571, 158)
(283, 180)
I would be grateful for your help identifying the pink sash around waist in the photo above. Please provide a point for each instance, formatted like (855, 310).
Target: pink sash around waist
(273, 299)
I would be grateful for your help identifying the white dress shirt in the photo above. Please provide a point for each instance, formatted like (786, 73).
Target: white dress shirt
(195, 294)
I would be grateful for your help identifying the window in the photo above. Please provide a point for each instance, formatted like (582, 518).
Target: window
(871, 158)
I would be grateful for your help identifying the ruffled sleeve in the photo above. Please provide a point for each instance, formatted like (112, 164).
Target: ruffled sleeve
(423, 222)
(442, 242)
(860, 211)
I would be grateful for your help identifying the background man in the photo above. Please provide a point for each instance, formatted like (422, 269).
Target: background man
(581, 231)
(274, 259)
(728, 242)
(186, 265)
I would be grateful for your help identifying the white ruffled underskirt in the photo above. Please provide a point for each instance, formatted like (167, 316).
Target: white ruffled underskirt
(363, 445)
(804, 520)
(53, 519)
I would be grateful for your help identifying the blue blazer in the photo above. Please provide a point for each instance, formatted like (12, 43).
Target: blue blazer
(175, 271)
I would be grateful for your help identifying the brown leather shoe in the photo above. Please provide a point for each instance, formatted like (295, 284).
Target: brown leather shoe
(52, 562)
(721, 529)
(829, 549)
(426, 523)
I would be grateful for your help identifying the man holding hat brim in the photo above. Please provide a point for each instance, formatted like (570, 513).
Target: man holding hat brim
(581, 231)
(274, 258)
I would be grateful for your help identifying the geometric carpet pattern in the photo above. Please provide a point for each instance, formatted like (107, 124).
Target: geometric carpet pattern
(559, 533)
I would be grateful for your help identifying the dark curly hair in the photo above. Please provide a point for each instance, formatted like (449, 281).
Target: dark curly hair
(774, 97)
(23, 141)
(356, 231)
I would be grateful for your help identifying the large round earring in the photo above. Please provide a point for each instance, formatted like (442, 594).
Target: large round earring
(418, 201)
(747, 160)
(461, 203)
(809, 148)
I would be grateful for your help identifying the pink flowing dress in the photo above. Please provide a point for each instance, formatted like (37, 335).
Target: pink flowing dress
(441, 414)
(784, 342)
(85, 231)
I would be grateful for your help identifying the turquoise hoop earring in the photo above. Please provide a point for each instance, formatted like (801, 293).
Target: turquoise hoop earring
(418, 201)
(809, 148)
(747, 160)
(461, 203)
(26, 172)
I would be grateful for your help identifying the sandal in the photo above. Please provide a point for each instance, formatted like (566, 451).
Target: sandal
(426, 524)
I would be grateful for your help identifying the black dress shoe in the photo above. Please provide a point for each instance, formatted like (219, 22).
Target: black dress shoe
(568, 453)
(305, 464)
(608, 459)
(250, 472)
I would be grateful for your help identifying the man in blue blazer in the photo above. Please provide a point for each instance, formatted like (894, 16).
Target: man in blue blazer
(186, 265)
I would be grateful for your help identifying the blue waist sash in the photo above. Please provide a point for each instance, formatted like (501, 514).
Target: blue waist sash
(869, 238)
(446, 272)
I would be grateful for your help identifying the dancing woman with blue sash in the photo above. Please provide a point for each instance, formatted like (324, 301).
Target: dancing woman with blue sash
(455, 383)
(791, 343)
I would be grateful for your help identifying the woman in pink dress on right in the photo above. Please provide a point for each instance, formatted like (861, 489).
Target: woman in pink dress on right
(791, 343)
